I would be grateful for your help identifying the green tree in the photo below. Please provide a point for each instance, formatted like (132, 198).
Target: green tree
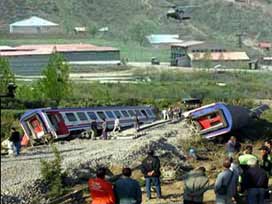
(51, 172)
(6, 75)
(56, 84)
(140, 27)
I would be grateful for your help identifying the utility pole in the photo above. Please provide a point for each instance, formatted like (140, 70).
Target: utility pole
(240, 35)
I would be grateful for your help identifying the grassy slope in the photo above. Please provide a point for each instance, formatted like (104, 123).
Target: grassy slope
(215, 18)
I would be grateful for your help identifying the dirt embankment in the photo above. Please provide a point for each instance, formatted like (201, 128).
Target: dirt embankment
(170, 142)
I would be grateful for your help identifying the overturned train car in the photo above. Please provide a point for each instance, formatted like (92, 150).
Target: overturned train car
(39, 124)
(218, 118)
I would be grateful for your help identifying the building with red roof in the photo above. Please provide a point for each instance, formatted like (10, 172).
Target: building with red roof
(265, 45)
(32, 59)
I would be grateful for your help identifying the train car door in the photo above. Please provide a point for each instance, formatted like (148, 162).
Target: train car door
(211, 122)
(58, 123)
(36, 126)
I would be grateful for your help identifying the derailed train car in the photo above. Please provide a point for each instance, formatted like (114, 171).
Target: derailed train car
(218, 118)
(65, 122)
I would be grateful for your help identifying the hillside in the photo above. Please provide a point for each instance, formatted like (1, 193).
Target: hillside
(129, 19)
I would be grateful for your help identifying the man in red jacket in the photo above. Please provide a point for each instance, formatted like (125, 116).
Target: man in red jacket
(101, 190)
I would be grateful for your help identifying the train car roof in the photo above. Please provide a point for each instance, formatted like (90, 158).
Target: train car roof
(99, 108)
(31, 111)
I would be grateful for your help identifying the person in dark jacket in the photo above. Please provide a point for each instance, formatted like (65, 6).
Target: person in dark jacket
(232, 146)
(266, 162)
(151, 170)
(16, 140)
(256, 183)
(94, 129)
(104, 129)
(268, 143)
(127, 190)
(196, 183)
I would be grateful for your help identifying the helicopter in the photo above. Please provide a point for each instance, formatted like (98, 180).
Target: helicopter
(179, 12)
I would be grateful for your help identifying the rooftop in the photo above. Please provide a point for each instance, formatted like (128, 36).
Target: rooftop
(188, 43)
(50, 48)
(163, 38)
(34, 21)
(265, 45)
(220, 56)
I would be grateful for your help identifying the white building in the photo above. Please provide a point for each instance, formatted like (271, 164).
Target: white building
(33, 25)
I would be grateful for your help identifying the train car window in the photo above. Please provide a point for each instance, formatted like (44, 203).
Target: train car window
(71, 117)
(118, 114)
(82, 116)
(138, 113)
(149, 112)
(101, 115)
(110, 114)
(92, 115)
(125, 113)
(144, 113)
(131, 112)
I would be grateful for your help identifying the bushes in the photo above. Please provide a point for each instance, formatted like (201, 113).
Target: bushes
(52, 174)
(9, 118)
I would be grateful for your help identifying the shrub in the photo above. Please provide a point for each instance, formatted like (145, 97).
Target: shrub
(8, 120)
(52, 174)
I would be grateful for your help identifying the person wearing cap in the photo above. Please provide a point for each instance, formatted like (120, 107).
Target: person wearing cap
(127, 190)
(266, 161)
(225, 186)
(101, 190)
(151, 169)
(256, 183)
(196, 183)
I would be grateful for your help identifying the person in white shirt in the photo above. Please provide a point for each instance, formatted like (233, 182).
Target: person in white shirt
(117, 126)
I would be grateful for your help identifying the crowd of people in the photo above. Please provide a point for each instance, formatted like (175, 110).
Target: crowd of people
(244, 179)
(171, 113)
(126, 190)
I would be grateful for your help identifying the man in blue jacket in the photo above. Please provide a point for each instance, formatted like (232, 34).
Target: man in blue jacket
(226, 185)
(127, 190)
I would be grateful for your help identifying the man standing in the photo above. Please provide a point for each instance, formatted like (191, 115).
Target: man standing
(226, 185)
(94, 129)
(256, 183)
(266, 161)
(136, 123)
(127, 190)
(268, 143)
(151, 170)
(196, 183)
(104, 129)
(15, 139)
(117, 126)
(101, 190)
(232, 146)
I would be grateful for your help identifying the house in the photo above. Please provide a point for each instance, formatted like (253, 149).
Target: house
(79, 30)
(179, 51)
(34, 25)
(202, 54)
(265, 46)
(266, 61)
(158, 40)
(32, 59)
(226, 59)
